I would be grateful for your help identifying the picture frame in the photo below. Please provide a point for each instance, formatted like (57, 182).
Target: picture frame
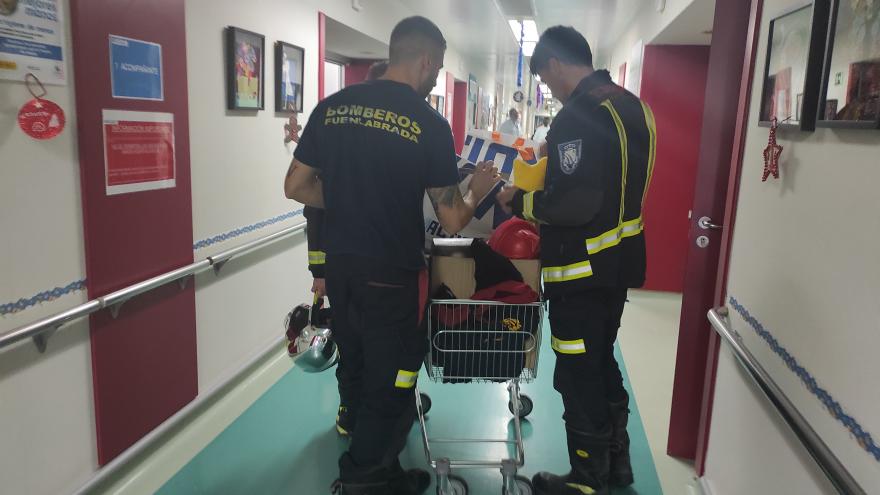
(793, 67)
(245, 69)
(851, 73)
(289, 77)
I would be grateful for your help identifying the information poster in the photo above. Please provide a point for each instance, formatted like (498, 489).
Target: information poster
(138, 151)
(32, 40)
(135, 69)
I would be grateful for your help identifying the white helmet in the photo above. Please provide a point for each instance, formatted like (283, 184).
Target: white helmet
(311, 346)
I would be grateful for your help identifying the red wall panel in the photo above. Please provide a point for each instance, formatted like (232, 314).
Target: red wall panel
(356, 72)
(144, 362)
(459, 115)
(674, 85)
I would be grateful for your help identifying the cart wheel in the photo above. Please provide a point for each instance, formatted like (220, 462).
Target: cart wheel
(426, 403)
(524, 485)
(525, 406)
(457, 486)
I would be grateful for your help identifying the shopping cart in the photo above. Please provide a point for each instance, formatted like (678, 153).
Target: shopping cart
(488, 342)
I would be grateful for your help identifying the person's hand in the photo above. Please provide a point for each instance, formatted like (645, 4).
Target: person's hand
(484, 179)
(319, 287)
(505, 197)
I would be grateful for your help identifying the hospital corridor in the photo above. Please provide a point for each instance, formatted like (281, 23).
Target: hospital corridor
(451, 247)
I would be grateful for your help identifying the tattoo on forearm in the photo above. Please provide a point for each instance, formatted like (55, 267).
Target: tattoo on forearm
(445, 196)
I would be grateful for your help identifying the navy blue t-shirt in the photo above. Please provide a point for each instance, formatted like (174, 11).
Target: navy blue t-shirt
(377, 147)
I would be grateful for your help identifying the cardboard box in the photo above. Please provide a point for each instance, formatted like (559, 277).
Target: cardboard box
(452, 265)
(457, 272)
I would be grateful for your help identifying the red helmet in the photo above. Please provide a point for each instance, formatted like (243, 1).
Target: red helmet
(516, 239)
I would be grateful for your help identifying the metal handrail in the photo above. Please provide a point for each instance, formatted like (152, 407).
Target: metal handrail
(40, 329)
(836, 472)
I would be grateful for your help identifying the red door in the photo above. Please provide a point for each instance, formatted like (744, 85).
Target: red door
(727, 90)
(673, 84)
(459, 115)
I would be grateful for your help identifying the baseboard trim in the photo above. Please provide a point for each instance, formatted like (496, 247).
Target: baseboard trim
(704, 487)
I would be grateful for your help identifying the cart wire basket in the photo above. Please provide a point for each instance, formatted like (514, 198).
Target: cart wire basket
(482, 342)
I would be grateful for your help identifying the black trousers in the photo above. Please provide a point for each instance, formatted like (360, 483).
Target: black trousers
(376, 324)
(584, 328)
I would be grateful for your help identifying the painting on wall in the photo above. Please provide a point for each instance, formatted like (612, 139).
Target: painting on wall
(245, 69)
(852, 72)
(288, 77)
(437, 102)
(793, 67)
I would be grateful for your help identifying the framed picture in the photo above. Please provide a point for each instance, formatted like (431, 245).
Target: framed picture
(245, 69)
(437, 102)
(852, 66)
(289, 77)
(830, 109)
(792, 73)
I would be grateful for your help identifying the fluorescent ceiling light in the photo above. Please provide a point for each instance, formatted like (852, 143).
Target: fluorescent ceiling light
(529, 48)
(527, 28)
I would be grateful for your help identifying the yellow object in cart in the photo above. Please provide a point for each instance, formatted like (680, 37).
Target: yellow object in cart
(529, 177)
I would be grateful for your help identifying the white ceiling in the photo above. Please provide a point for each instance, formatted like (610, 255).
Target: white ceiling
(692, 27)
(474, 27)
(479, 29)
(351, 43)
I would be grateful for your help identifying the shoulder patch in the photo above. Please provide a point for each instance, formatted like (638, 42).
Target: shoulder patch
(569, 156)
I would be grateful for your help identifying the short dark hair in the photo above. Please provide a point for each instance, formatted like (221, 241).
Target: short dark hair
(412, 36)
(564, 43)
(377, 70)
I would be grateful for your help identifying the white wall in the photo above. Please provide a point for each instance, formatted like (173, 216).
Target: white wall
(751, 449)
(645, 27)
(238, 162)
(804, 264)
(46, 411)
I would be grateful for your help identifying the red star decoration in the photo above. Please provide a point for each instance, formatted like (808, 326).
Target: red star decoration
(291, 130)
(771, 154)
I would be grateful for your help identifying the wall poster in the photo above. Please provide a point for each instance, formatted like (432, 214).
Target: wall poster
(32, 40)
(138, 151)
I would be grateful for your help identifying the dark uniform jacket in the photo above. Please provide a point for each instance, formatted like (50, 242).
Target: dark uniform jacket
(601, 149)
(315, 237)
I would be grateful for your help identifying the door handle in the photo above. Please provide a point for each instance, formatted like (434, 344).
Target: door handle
(705, 223)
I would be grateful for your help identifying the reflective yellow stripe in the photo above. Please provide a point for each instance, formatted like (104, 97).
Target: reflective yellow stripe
(582, 488)
(569, 272)
(614, 236)
(568, 346)
(632, 228)
(406, 379)
(624, 155)
(529, 207)
(604, 241)
(317, 257)
(652, 131)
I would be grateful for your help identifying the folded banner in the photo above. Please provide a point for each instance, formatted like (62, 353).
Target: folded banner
(479, 146)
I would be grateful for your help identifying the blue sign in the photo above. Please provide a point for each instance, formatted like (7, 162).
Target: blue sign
(136, 69)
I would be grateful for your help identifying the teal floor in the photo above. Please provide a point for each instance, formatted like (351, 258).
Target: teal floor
(285, 442)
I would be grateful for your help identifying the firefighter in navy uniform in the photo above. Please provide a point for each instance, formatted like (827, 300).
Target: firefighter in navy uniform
(348, 385)
(368, 155)
(600, 157)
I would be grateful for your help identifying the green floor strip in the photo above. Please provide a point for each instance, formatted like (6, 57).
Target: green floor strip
(285, 442)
